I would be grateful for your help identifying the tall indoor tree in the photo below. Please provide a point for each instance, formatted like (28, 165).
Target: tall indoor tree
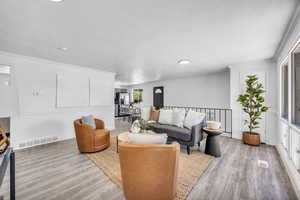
(252, 102)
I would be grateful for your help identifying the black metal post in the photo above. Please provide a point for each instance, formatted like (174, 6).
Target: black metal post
(12, 176)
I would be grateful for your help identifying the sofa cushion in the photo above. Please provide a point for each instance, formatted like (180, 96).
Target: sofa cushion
(147, 138)
(178, 117)
(154, 115)
(165, 116)
(145, 113)
(192, 118)
(178, 133)
(157, 127)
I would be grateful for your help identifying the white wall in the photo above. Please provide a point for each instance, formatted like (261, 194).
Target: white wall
(289, 135)
(210, 90)
(268, 68)
(37, 116)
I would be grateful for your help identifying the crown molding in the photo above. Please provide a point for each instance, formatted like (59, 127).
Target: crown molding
(289, 30)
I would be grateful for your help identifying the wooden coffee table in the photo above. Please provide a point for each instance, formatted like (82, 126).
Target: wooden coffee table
(123, 138)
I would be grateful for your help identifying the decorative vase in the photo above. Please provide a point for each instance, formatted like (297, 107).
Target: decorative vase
(251, 138)
(135, 127)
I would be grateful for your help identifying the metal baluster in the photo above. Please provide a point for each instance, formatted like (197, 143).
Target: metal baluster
(225, 121)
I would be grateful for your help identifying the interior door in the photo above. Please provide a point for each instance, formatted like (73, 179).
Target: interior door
(158, 97)
(262, 123)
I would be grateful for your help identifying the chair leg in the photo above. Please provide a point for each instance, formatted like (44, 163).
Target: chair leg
(188, 149)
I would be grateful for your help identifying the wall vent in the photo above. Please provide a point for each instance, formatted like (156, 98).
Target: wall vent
(263, 164)
(37, 141)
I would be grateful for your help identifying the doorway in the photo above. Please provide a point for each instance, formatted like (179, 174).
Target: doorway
(158, 97)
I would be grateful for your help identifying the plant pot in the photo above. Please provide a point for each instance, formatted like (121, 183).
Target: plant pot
(251, 138)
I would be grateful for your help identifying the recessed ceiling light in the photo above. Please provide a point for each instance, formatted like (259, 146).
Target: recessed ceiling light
(56, 0)
(184, 62)
(63, 48)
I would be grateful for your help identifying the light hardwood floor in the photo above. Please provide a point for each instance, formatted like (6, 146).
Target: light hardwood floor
(58, 171)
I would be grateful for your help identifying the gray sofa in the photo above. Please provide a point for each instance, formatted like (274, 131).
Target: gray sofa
(184, 136)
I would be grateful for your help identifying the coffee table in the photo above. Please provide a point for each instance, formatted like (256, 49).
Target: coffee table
(123, 137)
(212, 146)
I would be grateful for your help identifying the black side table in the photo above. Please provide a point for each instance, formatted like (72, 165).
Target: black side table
(212, 146)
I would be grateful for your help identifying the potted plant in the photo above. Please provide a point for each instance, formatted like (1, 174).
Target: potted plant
(252, 102)
(144, 125)
(139, 126)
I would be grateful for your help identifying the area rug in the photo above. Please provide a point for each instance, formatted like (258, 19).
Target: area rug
(190, 167)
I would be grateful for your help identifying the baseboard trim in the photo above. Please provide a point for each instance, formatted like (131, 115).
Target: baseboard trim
(290, 169)
(16, 146)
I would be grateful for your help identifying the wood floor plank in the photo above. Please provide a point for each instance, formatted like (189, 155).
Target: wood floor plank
(57, 171)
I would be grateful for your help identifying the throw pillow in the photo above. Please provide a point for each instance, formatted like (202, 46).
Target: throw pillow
(145, 113)
(178, 117)
(154, 116)
(192, 118)
(165, 116)
(89, 120)
(147, 138)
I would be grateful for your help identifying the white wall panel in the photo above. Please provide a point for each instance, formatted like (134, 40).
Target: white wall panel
(101, 91)
(267, 71)
(73, 90)
(295, 147)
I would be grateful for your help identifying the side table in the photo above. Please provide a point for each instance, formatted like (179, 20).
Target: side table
(212, 146)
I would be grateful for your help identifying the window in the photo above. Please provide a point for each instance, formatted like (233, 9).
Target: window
(137, 95)
(4, 75)
(284, 92)
(296, 86)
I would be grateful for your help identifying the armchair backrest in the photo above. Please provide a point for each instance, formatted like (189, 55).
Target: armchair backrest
(149, 171)
(84, 136)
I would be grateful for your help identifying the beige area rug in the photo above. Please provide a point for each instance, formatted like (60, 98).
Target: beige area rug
(190, 167)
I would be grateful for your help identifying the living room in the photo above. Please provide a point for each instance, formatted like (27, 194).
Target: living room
(149, 99)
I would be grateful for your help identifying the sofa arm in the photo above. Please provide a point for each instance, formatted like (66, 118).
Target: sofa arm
(197, 134)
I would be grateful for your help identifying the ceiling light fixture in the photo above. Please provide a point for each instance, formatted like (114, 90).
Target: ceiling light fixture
(184, 62)
(63, 48)
(56, 0)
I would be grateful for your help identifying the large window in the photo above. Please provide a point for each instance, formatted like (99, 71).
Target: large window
(296, 86)
(284, 93)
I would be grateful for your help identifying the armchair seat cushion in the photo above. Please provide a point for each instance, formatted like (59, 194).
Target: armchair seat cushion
(179, 133)
(101, 136)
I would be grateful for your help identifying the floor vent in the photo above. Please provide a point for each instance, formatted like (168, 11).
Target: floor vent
(263, 164)
(38, 141)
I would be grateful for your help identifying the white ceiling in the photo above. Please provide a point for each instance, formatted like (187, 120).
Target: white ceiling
(142, 40)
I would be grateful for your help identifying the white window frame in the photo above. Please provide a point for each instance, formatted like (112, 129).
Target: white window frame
(286, 61)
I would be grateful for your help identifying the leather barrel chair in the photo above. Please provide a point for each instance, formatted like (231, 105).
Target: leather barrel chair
(149, 171)
(89, 139)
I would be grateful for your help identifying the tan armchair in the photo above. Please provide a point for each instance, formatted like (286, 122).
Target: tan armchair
(149, 172)
(89, 139)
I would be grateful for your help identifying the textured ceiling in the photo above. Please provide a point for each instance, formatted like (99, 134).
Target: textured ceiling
(142, 40)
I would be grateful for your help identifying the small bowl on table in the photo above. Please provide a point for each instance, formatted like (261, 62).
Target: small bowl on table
(213, 125)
